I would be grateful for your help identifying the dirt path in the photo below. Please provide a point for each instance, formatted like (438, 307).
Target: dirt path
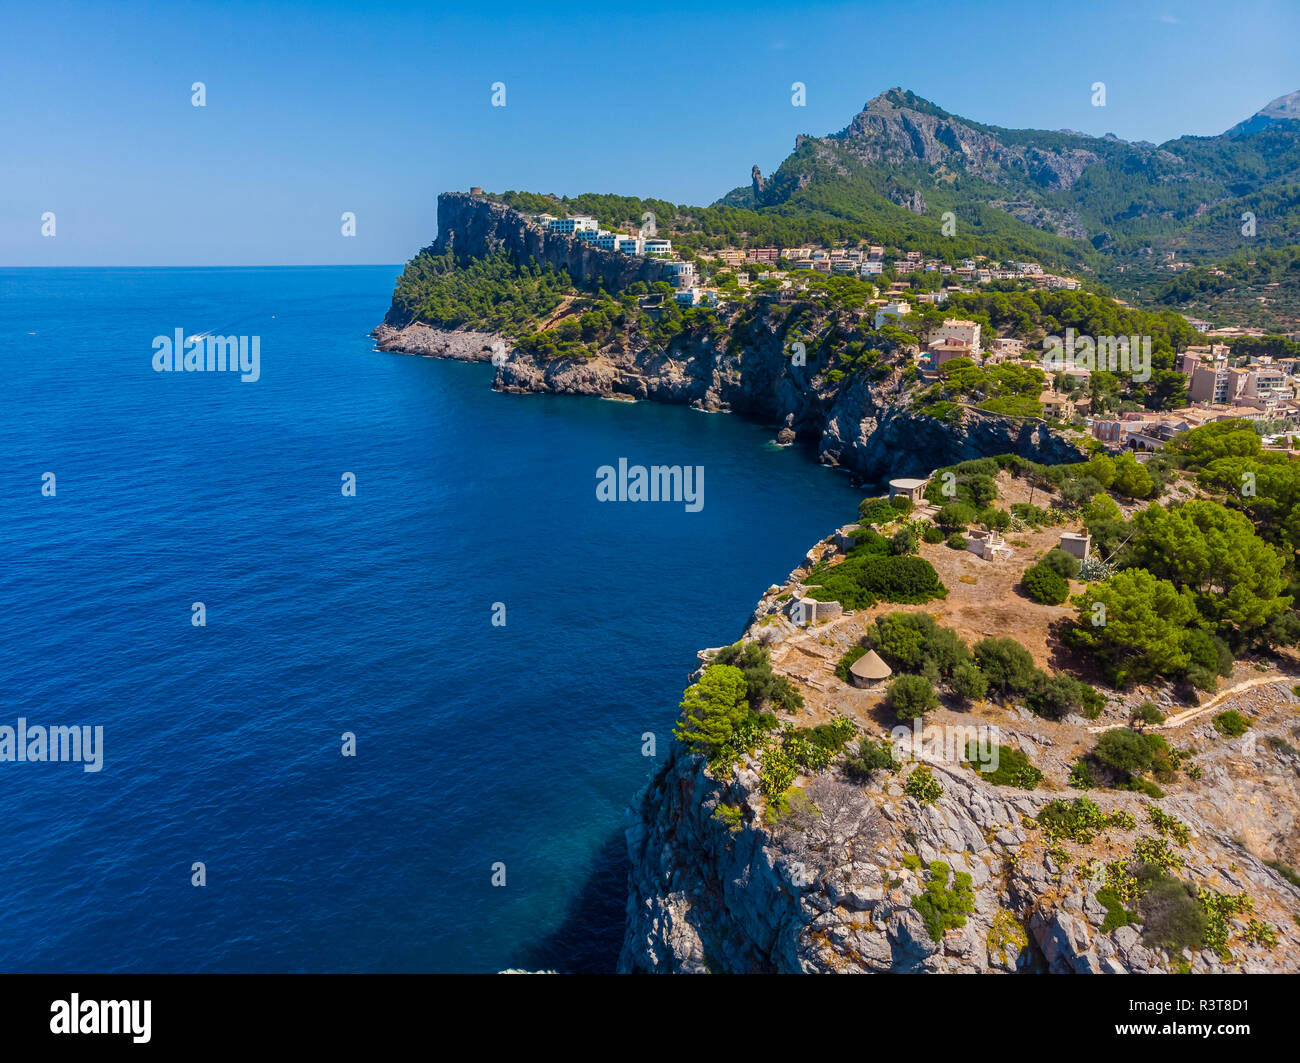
(1180, 718)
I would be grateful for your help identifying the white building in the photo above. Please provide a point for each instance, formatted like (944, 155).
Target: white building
(577, 224)
(656, 246)
(631, 245)
(953, 328)
(1269, 385)
(892, 312)
(679, 272)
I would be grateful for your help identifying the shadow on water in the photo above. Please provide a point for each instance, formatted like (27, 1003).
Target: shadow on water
(589, 939)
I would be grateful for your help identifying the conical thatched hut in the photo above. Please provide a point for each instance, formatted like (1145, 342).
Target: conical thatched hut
(869, 671)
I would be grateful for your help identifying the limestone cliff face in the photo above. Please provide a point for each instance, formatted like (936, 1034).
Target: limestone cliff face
(858, 424)
(865, 426)
(714, 886)
(855, 423)
(704, 897)
(473, 226)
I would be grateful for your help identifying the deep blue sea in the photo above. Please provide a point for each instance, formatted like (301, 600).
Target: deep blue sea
(475, 744)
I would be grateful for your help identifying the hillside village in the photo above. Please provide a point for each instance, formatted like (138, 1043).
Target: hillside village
(1256, 388)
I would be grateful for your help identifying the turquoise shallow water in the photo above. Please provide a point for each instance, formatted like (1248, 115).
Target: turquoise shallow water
(475, 744)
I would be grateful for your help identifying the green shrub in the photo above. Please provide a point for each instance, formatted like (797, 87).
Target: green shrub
(763, 686)
(1217, 909)
(863, 579)
(1123, 750)
(911, 696)
(994, 519)
(956, 541)
(1156, 853)
(907, 642)
(876, 511)
(969, 683)
(1116, 914)
(1055, 697)
(1079, 820)
(1148, 712)
(942, 908)
(1172, 916)
(903, 542)
(1007, 937)
(848, 661)
(870, 758)
(1062, 562)
(1013, 768)
(1231, 724)
(1007, 665)
(778, 771)
(730, 816)
(955, 517)
(922, 786)
(832, 737)
(1259, 933)
(1168, 825)
(902, 504)
(931, 534)
(1045, 586)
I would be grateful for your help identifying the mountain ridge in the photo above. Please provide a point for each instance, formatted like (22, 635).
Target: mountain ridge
(1104, 194)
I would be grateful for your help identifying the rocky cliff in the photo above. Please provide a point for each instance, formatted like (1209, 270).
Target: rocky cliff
(707, 897)
(717, 883)
(858, 422)
(475, 226)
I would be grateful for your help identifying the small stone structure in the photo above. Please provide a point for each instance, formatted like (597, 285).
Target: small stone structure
(913, 489)
(988, 545)
(805, 611)
(1076, 543)
(869, 672)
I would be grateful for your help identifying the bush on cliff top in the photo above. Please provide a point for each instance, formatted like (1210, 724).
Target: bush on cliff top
(863, 579)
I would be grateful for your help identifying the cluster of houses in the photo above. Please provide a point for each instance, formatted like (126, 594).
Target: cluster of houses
(1262, 391)
(585, 228)
(870, 261)
(863, 262)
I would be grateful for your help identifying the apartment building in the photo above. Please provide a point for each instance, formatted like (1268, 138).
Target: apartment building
(579, 223)
(680, 273)
(1267, 384)
(1216, 384)
(967, 332)
(892, 312)
(947, 349)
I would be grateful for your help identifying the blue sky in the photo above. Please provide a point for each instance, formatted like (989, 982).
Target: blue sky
(315, 109)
